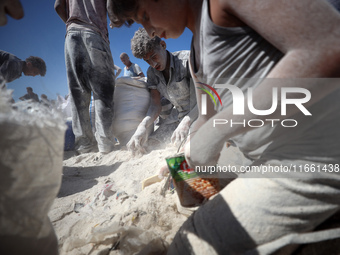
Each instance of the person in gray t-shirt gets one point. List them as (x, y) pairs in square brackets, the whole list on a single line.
[(168, 76)]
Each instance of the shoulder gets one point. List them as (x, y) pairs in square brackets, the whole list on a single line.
[(181, 57), (136, 68), (182, 54), (222, 12), (152, 78), (6, 56), (181, 61), (135, 65)]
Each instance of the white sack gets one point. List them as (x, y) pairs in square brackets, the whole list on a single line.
[(31, 157), (131, 103)]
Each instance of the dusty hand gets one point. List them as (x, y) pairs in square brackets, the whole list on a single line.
[(11, 7), (138, 140), (181, 131)]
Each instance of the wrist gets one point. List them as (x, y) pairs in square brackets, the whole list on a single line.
[(145, 121)]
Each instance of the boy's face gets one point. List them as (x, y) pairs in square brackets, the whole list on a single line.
[(164, 18), (157, 58)]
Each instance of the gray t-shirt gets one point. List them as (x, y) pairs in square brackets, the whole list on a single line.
[(240, 57), (88, 15), (179, 90), (10, 67)]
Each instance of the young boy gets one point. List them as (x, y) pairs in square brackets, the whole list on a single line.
[(168, 76), (261, 48)]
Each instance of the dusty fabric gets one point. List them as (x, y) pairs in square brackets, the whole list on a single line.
[(10, 67), (88, 15), (89, 67)]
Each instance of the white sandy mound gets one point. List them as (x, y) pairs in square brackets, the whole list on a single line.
[(101, 202)]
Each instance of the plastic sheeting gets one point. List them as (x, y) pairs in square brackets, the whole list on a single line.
[(31, 154)]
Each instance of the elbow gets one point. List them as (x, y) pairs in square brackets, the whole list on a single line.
[(59, 8)]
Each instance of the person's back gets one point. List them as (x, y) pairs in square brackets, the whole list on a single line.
[(10, 67), (88, 15)]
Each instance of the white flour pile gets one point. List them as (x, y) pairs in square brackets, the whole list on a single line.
[(102, 195)]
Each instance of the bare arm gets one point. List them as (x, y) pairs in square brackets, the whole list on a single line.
[(60, 8), (306, 31)]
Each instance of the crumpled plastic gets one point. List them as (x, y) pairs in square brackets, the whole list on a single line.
[(31, 155)]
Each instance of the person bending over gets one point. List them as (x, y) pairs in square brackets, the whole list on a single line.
[(168, 76)]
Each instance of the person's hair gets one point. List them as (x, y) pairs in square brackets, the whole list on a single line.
[(123, 54), (122, 11), (142, 44), (38, 63), (29, 88)]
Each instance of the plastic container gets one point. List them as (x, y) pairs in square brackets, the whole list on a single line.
[(192, 188)]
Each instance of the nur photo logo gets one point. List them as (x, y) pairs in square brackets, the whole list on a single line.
[(241, 99), (204, 97)]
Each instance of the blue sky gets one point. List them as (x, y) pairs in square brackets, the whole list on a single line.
[(41, 33)]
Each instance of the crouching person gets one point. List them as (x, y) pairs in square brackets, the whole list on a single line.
[(168, 76)]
